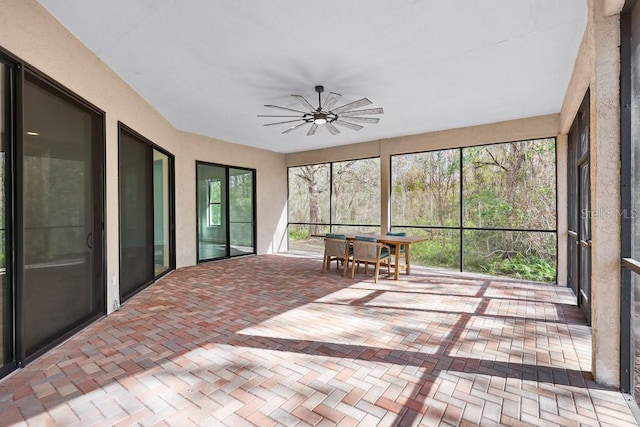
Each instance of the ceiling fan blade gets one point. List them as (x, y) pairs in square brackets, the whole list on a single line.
[(292, 128), (350, 106), (286, 109), (330, 101), (302, 100), (348, 125), (372, 120), (312, 129), (288, 121), (360, 112), (332, 128), (275, 115)]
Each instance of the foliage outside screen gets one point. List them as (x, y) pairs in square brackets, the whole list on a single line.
[(345, 193), (508, 186)]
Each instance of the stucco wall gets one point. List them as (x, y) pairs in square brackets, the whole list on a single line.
[(28, 31), (605, 195)]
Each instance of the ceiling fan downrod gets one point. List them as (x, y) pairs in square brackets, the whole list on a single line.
[(319, 89)]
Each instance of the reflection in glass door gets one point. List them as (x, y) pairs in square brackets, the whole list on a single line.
[(61, 215), (226, 211)]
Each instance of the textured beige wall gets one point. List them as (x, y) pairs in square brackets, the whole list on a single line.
[(605, 195), (28, 31)]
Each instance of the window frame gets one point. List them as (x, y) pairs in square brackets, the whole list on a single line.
[(461, 228), (331, 224)]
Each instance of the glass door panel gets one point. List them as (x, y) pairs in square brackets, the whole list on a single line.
[(60, 264), (212, 211), (162, 247), (241, 211), (136, 228)]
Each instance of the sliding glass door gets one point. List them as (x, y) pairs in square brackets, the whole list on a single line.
[(51, 214), (146, 212), (226, 211), (61, 215)]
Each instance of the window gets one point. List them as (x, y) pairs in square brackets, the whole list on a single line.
[(214, 211), (333, 197), (488, 209)]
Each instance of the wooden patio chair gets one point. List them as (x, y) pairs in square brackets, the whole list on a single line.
[(369, 250), (335, 248), (392, 248)]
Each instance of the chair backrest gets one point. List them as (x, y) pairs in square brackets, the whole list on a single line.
[(398, 234), (336, 247), (335, 236), (366, 248)]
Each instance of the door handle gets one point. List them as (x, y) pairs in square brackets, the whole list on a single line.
[(90, 240)]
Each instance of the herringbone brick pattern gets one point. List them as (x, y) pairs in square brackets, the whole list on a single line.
[(268, 340)]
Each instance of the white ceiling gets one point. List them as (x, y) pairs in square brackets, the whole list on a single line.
[(209, 66)]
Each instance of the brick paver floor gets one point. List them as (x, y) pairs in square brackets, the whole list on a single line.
[(268, 340)]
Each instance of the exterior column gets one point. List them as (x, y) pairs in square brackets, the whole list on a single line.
[(385, 189), (605, 195), (562, 207)]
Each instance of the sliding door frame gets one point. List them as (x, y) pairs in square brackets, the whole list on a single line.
[(150, 224), (13, 131), (227, 207), (98, 201)]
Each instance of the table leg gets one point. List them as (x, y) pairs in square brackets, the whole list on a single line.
[(407, 259), (396, 265)]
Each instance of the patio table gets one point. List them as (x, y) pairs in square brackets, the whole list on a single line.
[(396, 241)]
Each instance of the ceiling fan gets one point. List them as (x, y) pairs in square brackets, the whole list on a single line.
[(325, 114)]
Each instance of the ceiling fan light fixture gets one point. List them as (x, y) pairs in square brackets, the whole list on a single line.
[(325, 114), (319, 118)]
